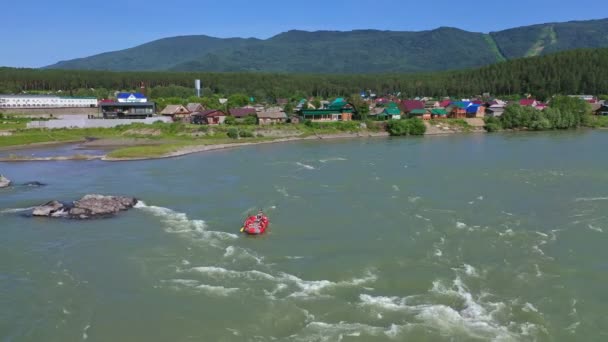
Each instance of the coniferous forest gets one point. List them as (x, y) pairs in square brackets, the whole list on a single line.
[(581, 71)]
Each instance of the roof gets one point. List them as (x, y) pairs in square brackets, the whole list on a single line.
[(409, 105), (392, 110), (445, 103), (527, 102), (272, 113), (194, 107), (210, 112), (338, 103), (242, 112), (174, 109), (126, 95), (473, 108), (461, 104), (439, 111)]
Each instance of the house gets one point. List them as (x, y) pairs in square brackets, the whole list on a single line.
[(177, 112), (282, 102), (209, 117), (338, 110), (424, 114), (458, 109), (375, 112), (46, 101), (475, 111), (495, 111), (439, 113), (391, 112), (270, 116), (409, 105), (195, 107), (131, 97)]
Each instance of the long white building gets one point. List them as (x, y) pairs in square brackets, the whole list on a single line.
[(46, 101)]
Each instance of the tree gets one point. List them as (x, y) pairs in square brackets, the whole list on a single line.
[(573, 109), (238, 100), (288, 109)]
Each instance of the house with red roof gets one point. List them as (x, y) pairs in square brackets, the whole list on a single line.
[(410, 105)]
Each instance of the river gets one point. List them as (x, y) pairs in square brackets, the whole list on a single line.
[(457, 238)]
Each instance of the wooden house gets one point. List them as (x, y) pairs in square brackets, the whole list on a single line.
[(177, 112), (271, 116)]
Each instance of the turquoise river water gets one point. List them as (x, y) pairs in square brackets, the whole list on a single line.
[(459, 238)]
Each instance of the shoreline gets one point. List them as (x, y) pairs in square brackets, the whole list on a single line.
[(186, 150)]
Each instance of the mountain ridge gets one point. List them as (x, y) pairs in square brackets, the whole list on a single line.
[(349, 52)]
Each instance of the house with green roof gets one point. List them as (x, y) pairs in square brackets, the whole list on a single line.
[(391, 112), (338, 110)]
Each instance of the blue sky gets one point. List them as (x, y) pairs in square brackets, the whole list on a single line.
[(40, 32)]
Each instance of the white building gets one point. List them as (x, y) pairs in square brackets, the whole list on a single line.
[(46, 101)]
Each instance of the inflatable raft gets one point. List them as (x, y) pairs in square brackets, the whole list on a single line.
[(255, 226)]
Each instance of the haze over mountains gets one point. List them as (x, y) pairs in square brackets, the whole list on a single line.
[(360, 51)]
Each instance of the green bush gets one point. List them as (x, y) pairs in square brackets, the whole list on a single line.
[(406, 127), (417, 127), (246, 134), (233, 133), (260, 135), (492, 124), (230, 120), (250, 120)]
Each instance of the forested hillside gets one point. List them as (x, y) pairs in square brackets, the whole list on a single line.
[(352, 52), (571, 72)]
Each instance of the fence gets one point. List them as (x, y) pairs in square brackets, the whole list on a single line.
[(93, 123)]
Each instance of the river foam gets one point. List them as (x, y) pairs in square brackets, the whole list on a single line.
[(179, 223), (470, 315)]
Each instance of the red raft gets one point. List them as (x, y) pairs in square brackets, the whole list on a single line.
[(255, 226)]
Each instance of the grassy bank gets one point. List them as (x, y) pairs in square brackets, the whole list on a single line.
[(160, 139)]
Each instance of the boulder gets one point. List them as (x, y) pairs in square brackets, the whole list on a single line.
[(4, 182), (34, 184), (48, 209), (90, 206)]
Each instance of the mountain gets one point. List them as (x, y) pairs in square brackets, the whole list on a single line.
[(359, 51)]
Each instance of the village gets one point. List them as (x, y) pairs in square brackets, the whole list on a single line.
[(135, 107)]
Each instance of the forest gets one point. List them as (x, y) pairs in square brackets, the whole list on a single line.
[(572, 72)]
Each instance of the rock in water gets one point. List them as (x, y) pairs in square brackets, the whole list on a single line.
[(90, 206), (34, 184), (4, 182), (52, 208)]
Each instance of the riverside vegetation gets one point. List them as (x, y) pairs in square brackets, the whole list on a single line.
[(564, 112)]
